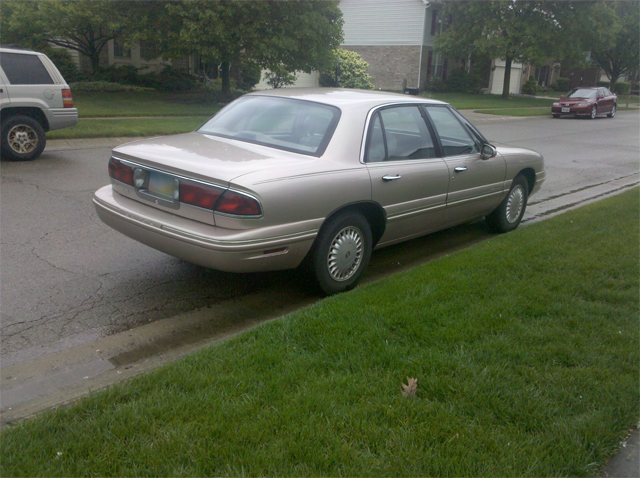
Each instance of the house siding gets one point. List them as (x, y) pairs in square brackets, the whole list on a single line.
[(382, 22)]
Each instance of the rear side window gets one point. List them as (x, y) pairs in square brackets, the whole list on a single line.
[(24, 69)]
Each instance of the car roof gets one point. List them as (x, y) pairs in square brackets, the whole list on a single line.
[(342, 97), (18, 49)]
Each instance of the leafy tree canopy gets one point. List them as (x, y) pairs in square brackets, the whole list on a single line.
[(296, 35), (617, 52), (82, 25), (512, 30)]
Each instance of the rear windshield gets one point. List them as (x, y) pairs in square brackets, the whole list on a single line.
[(24, 69), (582, 93), (283, 123)]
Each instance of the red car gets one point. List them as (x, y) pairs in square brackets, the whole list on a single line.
[(586, 101)]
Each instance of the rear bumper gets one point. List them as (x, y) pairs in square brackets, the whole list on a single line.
[(62, 118), (200, 243)]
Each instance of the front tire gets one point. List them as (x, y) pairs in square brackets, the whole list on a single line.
[(594, 112), (507, 216), (341, 253), (23, 138), (613, 111)]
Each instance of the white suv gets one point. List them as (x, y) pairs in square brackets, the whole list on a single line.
[(34, 99)]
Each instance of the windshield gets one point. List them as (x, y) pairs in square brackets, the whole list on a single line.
[(582, 93), (283, 123)]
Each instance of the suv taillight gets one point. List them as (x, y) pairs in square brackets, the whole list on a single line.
[(67, 99)]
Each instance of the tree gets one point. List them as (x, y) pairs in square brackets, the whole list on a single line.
[(618, 53), (512, 30), (82, 25), (296, 35)]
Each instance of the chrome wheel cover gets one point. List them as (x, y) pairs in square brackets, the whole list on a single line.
[(594, 112), (515, 204), (345, 253), (613, 111), (22, 139)]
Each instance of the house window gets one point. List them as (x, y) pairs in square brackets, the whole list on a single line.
[(119, 50)]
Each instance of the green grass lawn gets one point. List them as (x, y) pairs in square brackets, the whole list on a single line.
[(525, 348), (147, 103), (466, 101), (121, 127)]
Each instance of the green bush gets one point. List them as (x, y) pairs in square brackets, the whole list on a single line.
[(249, 76), (65, 64), (435, 85), (124, 75), (169, 79), (604, 83), (279, 77), (462, 81), (562, 84), (531, 86), (622, 88), (105, 86), (352, 71)]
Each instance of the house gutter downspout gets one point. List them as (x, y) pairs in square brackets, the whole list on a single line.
[(427, 4)]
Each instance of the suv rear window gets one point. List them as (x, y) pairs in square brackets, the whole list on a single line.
[(24, 69)]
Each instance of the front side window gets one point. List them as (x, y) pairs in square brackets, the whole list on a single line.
[(454, 138), (24, 69), (283, 123), (399, 133)]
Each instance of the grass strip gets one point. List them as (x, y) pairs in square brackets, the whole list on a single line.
[(517, 112), (147, 103), (525, 348), (468, 101), (126, 127)]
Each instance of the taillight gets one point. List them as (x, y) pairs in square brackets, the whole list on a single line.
[(198, 194), (67, 99), (238, 204), (120, 171)]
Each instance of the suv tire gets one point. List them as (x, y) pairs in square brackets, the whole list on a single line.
[(23, 138)]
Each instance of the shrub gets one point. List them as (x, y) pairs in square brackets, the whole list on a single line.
[(562, 84), (604, 83), (531, 86), (279, 77), (124, 75), (622, 88), (249, 76), (105, 86), (462, 81), (352, 71), (169, 79), (435, 85)]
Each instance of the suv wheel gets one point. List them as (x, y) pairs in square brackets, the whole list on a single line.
[(23, 138)]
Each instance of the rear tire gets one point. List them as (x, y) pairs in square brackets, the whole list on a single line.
[(507, 216), (23, 138), (556, 116), (341, 253)]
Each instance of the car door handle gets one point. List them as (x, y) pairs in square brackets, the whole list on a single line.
[(391, 178), (459, 169)]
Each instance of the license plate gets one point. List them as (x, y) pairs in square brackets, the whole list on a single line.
[(161, 184), (566, 110)]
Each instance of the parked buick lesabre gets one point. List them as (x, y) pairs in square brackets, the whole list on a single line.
[(313, 177)]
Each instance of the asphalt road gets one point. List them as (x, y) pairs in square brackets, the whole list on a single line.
[(67, 279)]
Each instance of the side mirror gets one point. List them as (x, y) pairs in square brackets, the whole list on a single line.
[(488, 151)]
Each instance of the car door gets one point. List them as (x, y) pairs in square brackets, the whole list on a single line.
[(408, 179), (475, 182)]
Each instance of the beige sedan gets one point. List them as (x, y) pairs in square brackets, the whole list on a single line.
[(316, 178)]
